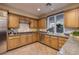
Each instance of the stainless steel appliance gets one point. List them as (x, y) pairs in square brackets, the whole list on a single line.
[(3, 31)]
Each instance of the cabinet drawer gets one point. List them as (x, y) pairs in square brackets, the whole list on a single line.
[(11, 37)]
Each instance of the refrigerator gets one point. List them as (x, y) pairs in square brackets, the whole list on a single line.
[(3, 31)]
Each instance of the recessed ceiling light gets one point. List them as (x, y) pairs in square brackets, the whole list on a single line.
[(38, 9)]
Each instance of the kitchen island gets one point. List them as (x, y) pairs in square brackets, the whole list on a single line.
[(71, 47)]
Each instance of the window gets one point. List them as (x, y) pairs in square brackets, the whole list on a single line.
[(55, 24), (51, 24)]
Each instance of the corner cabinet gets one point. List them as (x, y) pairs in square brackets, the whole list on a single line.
[(71, 18), (42, 23), (35, 37), (33, 24), (13, 21)]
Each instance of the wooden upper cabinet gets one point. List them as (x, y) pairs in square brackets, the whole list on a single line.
[(42, 23), (33, 23), (29, 38), (13, 21), (71, 18)]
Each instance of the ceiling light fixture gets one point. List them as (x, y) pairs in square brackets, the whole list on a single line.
[(48, 4), (38, 9)]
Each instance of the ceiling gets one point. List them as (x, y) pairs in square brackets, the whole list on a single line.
[(31, 8)]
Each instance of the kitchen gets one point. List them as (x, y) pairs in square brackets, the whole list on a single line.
[(40, 28)]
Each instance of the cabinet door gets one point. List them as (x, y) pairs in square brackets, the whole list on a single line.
[(35, 38), (29, 38), (47, 40), (61, 41), (71, 18), (38, 36), (33, 23), (17, 42), (42, 23), (13, 21), (23, 40), (11, 44), (54, 42)]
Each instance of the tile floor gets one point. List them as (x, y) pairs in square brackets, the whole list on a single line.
[(33, 49)]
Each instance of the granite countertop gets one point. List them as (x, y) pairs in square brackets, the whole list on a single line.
[(58, 35), (22, 33), (71, 47), (42, 32)]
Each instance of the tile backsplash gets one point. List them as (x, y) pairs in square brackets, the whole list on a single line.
[(23, 27)]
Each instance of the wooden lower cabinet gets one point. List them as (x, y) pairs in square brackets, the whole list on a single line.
[(50, 41), (20, 40), (29, 38), (34, 37), (23, 40), (38, 36), (26, 39), (54, 42), (61, 41), (13, 42), (47, 40)]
